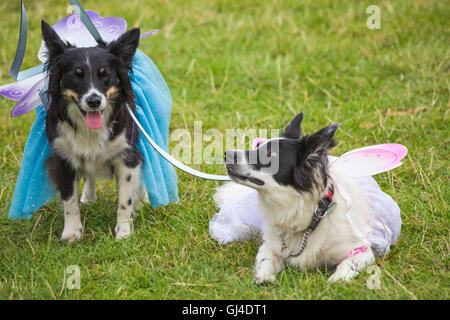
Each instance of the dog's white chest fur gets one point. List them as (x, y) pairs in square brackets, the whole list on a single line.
[(91, 151)]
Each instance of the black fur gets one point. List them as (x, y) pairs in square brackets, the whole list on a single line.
[(293, 129), (312, 158), (62, 174), (132, 157)]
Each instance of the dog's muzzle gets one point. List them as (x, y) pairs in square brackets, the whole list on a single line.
[(237, 167)]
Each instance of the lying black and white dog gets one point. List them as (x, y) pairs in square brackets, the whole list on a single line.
[(313, 216), (89, 130)]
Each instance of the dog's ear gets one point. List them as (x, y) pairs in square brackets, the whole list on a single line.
[(324, 138), (53, 42), (312, 159), (125, 47), (293, 130)]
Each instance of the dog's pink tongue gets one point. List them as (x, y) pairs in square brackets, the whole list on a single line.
[(94, 119)]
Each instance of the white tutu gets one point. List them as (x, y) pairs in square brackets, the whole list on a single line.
[(240, 217)]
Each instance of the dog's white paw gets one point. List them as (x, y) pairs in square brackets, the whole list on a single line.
[(341, 275), (72, 232), (264, 280), (123, 230), (345, 271)]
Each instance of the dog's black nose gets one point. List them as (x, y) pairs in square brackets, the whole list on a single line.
[(93, 101)]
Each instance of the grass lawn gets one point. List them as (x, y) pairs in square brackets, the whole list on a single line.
[(250, 64)]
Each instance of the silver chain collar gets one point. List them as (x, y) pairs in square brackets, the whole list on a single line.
[(286, 253), (285, 250)]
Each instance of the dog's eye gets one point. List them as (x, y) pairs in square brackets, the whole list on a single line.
[(79, 72), (271, 153), (101, 71)]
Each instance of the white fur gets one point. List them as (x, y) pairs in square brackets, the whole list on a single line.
[(103, 99), (287, 212), (128, 191)]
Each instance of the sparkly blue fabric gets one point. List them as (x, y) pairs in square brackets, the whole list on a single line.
[(153, 107)]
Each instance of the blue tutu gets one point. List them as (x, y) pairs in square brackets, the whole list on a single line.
[(153, 106)]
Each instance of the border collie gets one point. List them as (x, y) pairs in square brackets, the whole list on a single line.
[(313, 216), (91, 135)]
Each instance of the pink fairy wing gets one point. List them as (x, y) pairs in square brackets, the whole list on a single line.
[(17, 90), (370, 160), (72, 29), (400, 150), (30, 101)]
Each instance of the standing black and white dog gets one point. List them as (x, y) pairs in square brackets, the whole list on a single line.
[(91, 135), (313, 215)]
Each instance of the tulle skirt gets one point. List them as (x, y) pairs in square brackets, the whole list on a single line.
[(240, 217)]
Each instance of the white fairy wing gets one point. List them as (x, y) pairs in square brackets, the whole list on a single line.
[(372, 160)]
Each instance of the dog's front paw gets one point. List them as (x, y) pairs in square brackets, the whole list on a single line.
[(123, 230), (72, 233), (341, 275), (264, 281), (345, 271)]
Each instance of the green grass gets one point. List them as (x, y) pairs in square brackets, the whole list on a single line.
[(250, 64)]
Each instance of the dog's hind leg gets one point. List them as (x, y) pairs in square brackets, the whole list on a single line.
[(352, 266), (88, 194), (144, 196), (128, 183)]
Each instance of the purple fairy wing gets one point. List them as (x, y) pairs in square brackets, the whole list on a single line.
[(149, 33), (110, 28), (72, 29), (30, 101), (17, 90)]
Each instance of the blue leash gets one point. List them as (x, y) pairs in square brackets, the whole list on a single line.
[(21, 45), (17, 63), (20, 51)]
